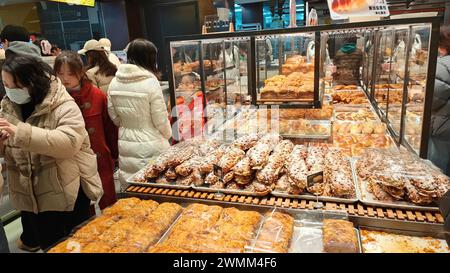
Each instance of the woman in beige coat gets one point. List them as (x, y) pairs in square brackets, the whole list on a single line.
[(100, 70), (46, 150)]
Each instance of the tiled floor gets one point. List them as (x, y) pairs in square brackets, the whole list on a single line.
[(13, 231)]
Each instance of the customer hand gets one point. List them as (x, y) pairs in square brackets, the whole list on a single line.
[(7, 128)]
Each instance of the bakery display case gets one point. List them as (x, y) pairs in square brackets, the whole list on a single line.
[(206, 75), (402, 89)]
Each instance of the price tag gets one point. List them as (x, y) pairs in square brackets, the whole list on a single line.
[(218, 171), (314, 178)]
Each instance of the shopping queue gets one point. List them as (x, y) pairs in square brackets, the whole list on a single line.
[(63, 127)]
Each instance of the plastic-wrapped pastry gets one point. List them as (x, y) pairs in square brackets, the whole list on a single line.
[(246, 142), (186, 168), (243, 167), (228, 177), (71, 245), (259, 155), (170, 174), (342, 185), (296, 168), (231, 157), (233, 186), (243, 180), (270, 139), (275, 234), (339, 236), (261, 188), (194, 178), (211, 179), (209, 160), (95, 228), (183, 155)]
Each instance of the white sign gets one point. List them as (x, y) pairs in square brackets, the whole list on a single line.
[(344, 9)]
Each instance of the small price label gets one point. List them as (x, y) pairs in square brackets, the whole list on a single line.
[(218, 171), (314, 178)]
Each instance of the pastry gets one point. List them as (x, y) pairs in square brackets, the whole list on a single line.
[(230, 158), (339, 236)]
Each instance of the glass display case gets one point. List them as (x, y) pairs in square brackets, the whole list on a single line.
[(285, 68), (382, 65), (403, 74)]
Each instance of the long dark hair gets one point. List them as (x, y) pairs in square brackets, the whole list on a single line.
[(32, 73), (100, 59), (143, 53), (73, 60)]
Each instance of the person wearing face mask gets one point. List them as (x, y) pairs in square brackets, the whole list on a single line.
[(439, 145), (46, 149), (93, 104)]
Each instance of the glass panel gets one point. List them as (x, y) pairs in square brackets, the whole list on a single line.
[(397, 72), (418, 66), (285, 65), (382, 79), (187, 83)]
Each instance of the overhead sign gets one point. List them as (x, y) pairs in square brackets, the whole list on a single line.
[(89, 3), (344, 9)]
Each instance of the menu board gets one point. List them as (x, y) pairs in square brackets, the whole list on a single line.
[(89, 3), (344, 9)]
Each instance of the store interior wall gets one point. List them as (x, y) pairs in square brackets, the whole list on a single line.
[(20, 14), (252, 13), (116, 25)]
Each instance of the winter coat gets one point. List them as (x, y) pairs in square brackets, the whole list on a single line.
[(136, 105), (440, 120), (43, 156), (99, 80), (102, 134)]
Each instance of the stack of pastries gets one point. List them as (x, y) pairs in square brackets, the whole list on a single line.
[(303, 161), (130, 225), (355, 144), (401, 176), (296, 63), (210, 229), (275, 234), (296, 85)]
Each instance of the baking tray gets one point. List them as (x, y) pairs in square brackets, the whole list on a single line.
[(368, 199), (228, 191), (310, 240), (424, 244), (316, 198), (307, 236), (131, 181)]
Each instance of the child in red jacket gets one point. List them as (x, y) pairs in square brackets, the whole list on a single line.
[(103, 134)]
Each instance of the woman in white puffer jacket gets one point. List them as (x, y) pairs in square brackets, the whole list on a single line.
[(136, 105)]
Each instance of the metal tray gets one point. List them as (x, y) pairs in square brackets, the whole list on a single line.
[(310, 240), (368, 199), (227, 191), (316, 198), (131, 181), (442, 247)]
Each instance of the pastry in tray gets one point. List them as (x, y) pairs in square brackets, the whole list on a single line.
[(207, 164), (271, 172), (72, 245), (284, 185), (339, 236), (374, 241), (186, 168), (243, 167), (96, 227), (349, 97), (400, 176), (296, 168), (170, 174), (230, 158), (275, 234), (246, 142), (259, 155), (325, 113), (359, 128)]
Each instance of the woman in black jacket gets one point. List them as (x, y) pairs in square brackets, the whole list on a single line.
[(439, 146)]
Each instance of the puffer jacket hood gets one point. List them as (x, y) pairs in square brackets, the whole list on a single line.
[(24, 48), (440, 120), (132, 73)]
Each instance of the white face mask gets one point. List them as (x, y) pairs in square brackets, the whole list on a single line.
[(18, 95)]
